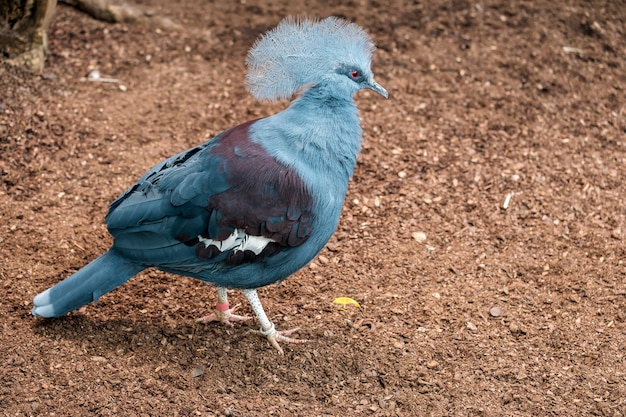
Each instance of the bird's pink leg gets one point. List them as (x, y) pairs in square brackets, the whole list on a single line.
[(223, 313), (268, 329)]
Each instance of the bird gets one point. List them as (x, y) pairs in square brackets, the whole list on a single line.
[(256, 203)]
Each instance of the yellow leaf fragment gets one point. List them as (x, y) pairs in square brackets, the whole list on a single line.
[(345, 301)]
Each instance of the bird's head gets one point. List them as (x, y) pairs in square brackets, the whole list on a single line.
[(301, 53)]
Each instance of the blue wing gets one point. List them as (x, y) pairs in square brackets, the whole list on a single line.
[(197, 210)]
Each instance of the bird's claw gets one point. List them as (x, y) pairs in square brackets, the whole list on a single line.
[(224, 315), (274, 336)]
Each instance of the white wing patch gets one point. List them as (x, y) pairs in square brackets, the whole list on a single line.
[(238, 241)]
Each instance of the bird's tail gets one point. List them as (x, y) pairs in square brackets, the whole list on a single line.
[(88, 284)]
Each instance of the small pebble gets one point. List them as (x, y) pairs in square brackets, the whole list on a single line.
[(471, 326), (94, 75), (197, 371), (323, 259), (495, 311), (419, 236)]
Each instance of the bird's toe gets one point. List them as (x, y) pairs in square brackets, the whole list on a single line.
[(224, 315), (274, 336)]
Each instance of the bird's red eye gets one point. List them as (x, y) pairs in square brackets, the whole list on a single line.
[(354, 74)]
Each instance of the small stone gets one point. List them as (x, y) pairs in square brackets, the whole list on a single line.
[(495, 311), (420, 237), (323, 259), (51, 76), (197, 371), (471, 326), (432, 364)]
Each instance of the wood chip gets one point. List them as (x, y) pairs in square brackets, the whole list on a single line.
[(507, 201)]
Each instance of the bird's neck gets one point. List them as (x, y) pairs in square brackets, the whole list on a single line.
[(319, 130)]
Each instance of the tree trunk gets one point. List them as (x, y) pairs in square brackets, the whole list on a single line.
[(23, 26)]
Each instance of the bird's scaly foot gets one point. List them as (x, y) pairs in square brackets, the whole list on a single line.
[(274, 336), (224, 315)]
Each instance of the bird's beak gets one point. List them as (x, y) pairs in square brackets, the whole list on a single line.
[(374, 86)]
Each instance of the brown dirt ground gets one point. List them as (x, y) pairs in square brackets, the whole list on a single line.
[(498, 312)]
